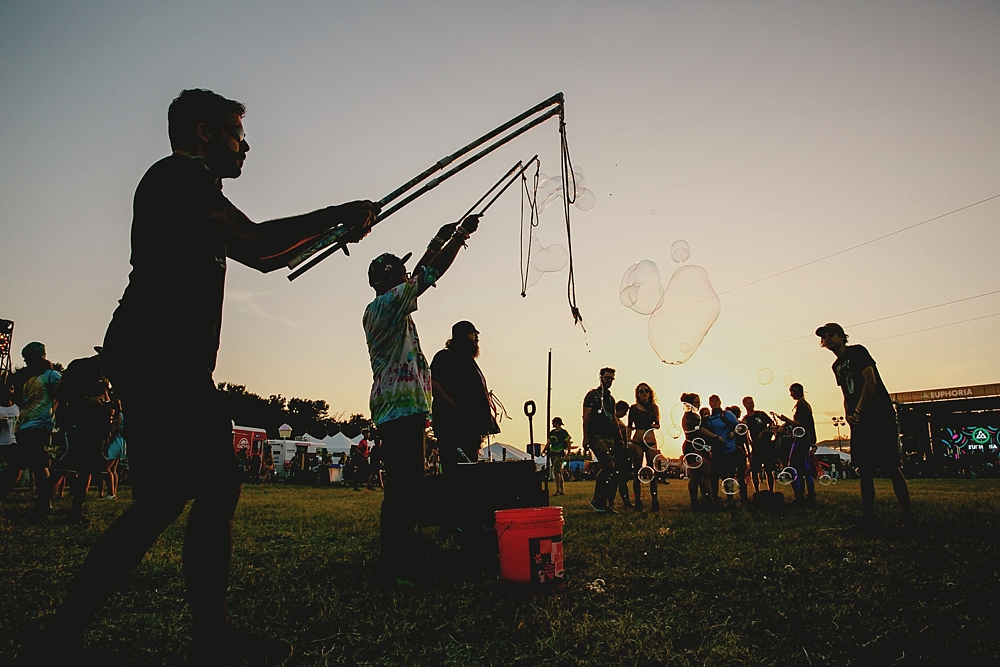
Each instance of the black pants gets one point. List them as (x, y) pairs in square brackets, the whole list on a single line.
[(27, 453), (403, 459), (160, 497)]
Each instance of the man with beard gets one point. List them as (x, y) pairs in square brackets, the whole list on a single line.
[(462, 410), (160, 352), (601, 435), (401, 392)]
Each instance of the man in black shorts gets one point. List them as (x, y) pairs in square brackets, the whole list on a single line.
[(762, 454), (600, 435), (869, 411), (160, 352)]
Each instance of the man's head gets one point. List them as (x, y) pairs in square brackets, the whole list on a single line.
[(749, 404), (386, 271), (607, 377), (464, 339), (691, 399), (796, 391), (832, 337), (715, 402), (207, 124), (33, 352), (735, 409), (557, 422), (621, 409)]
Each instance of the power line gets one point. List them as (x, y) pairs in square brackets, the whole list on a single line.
[(806, 336), (810, 262), (799, 356)]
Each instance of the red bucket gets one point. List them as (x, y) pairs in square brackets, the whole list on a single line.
[(530, 542)]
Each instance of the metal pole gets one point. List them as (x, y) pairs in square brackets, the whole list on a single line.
[(334, 235)]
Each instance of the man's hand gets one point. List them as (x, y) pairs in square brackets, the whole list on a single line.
[(852, 419), (471, 224), (359, 216), (446, 232)]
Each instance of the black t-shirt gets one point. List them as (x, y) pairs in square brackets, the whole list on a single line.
[(463, 381), (602, 413), (803, 415), (760, 427), (641, 420), (171, 312), (848, 368)]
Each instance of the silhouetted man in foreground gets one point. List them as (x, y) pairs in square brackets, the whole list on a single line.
[(869, 411), (160, 352), (600, 435)]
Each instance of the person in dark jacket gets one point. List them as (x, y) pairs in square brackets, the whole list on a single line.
[(462, 411)]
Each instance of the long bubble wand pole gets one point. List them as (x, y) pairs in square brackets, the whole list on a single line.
[(333, 238)]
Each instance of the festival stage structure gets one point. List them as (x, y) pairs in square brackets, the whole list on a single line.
[(951, 431)]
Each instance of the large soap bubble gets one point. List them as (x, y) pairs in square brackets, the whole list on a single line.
[(680, 251), (548, 259), (550, 190), (689, 307), (640, 288)]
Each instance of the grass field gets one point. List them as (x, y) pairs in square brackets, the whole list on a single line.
[(681, 588)]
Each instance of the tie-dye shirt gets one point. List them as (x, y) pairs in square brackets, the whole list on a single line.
[(39, 392), (401, 384)]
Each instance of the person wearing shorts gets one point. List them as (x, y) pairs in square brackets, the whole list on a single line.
[(762, 452), (557, 450), (643, 415), (869, 411)]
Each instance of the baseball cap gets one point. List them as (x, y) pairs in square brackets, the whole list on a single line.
[(463, 328), (33, 350), (830, 327), (383, 265)]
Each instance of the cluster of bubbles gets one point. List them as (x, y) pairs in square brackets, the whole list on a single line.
[(553, 258), (826, 480), (681, 313), (765, 376)]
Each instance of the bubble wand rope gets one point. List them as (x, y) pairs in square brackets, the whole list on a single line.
[(333, 237)]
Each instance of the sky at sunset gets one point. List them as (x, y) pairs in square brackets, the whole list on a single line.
[(765, 134)]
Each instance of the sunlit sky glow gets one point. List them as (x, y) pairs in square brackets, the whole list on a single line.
[(765, 134)]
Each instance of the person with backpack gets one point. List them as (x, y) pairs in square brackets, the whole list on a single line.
[(34, 388)]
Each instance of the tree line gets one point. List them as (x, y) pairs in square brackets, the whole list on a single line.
[(303, 415)]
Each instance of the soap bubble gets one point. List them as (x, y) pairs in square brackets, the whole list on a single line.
[(787, 476), (684, 347), (646, 474), (693, 460), (688, 309), (741, 429), (585, 200), (798, 432), (652, 211), (699, 444), (674, 431), (680, 251), (640, 288), (826, 480), (653, 439), (788, 379), (660, 463), (730, 486), (550, 259), (765, 376)]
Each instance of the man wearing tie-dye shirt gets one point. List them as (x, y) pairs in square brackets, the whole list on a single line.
[(401, 383)]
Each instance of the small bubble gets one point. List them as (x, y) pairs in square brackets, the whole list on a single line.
[(680, 251), (652, 211), (765, 376), (788, 379)]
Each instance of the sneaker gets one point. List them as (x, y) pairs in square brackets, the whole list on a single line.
[(235, 650), (638, 504), (611, 510), (596, 507), (111, 497), (654, 506)]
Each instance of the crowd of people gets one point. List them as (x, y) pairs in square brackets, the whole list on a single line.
[(66, 428)]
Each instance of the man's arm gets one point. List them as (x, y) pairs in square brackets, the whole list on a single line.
[(866, 391), (267, 246), (440, 257), (586, 422), (441, 393)]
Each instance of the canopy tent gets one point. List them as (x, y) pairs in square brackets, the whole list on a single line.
[(311, 439), (357, 440), (829, 451), (513, 453), (338, 443)]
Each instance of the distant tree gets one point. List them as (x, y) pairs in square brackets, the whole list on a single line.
[(303, 415)]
